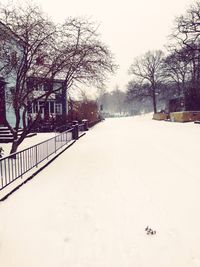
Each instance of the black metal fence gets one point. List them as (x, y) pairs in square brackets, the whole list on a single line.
[(16, 165), (19, 163)]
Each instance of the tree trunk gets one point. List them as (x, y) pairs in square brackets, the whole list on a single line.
[(14, 147), (154, 101), (17, 141)]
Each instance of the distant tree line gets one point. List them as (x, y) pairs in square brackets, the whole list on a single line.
[(159, 77), (113, 103), (118, 102)]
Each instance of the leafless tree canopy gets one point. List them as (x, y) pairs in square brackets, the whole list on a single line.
[(71, 51), (149, 69), (179, 70), (187, 27), (185, 67)]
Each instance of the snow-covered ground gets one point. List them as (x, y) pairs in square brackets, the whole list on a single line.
[(39, 139), (29, 141), (91, 206)]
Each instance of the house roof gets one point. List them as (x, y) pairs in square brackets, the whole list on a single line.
[(46, 79)]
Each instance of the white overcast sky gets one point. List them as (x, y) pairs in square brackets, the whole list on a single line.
[(128, 27)]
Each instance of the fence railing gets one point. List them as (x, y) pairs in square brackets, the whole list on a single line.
[(81, 127), (17, 164), (62, 128)]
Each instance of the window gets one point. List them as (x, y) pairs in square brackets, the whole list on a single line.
[(41, 106), (40, 87), (35, 85), (13, 58), (35, 107), (51, 107), (58, 109), (47, 86)]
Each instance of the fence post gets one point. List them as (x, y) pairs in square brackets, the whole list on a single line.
[(86, 125), (55, 143), (36, 156), (75, 130)]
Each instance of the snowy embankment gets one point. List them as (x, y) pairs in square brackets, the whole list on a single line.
[(91, 206)]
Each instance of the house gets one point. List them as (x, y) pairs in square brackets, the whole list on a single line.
[(54, 109), (11, 47)]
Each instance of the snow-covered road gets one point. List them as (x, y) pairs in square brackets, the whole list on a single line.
[(91, 206)]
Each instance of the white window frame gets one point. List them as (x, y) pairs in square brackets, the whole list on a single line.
[(58, 108)]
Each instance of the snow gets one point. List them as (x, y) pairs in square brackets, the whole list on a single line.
[(29, 141), (91, 206), (31, 168)]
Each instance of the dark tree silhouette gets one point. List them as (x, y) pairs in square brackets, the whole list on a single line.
[(72, 52), (149, 69)]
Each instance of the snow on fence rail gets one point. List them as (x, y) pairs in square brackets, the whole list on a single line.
[(17, 164)]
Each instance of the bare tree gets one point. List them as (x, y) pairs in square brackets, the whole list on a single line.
[(137, 91), (187, 27), (149, 69), (186, 39), (177, 69), (186, 35), (35, 33), (71, 52)]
